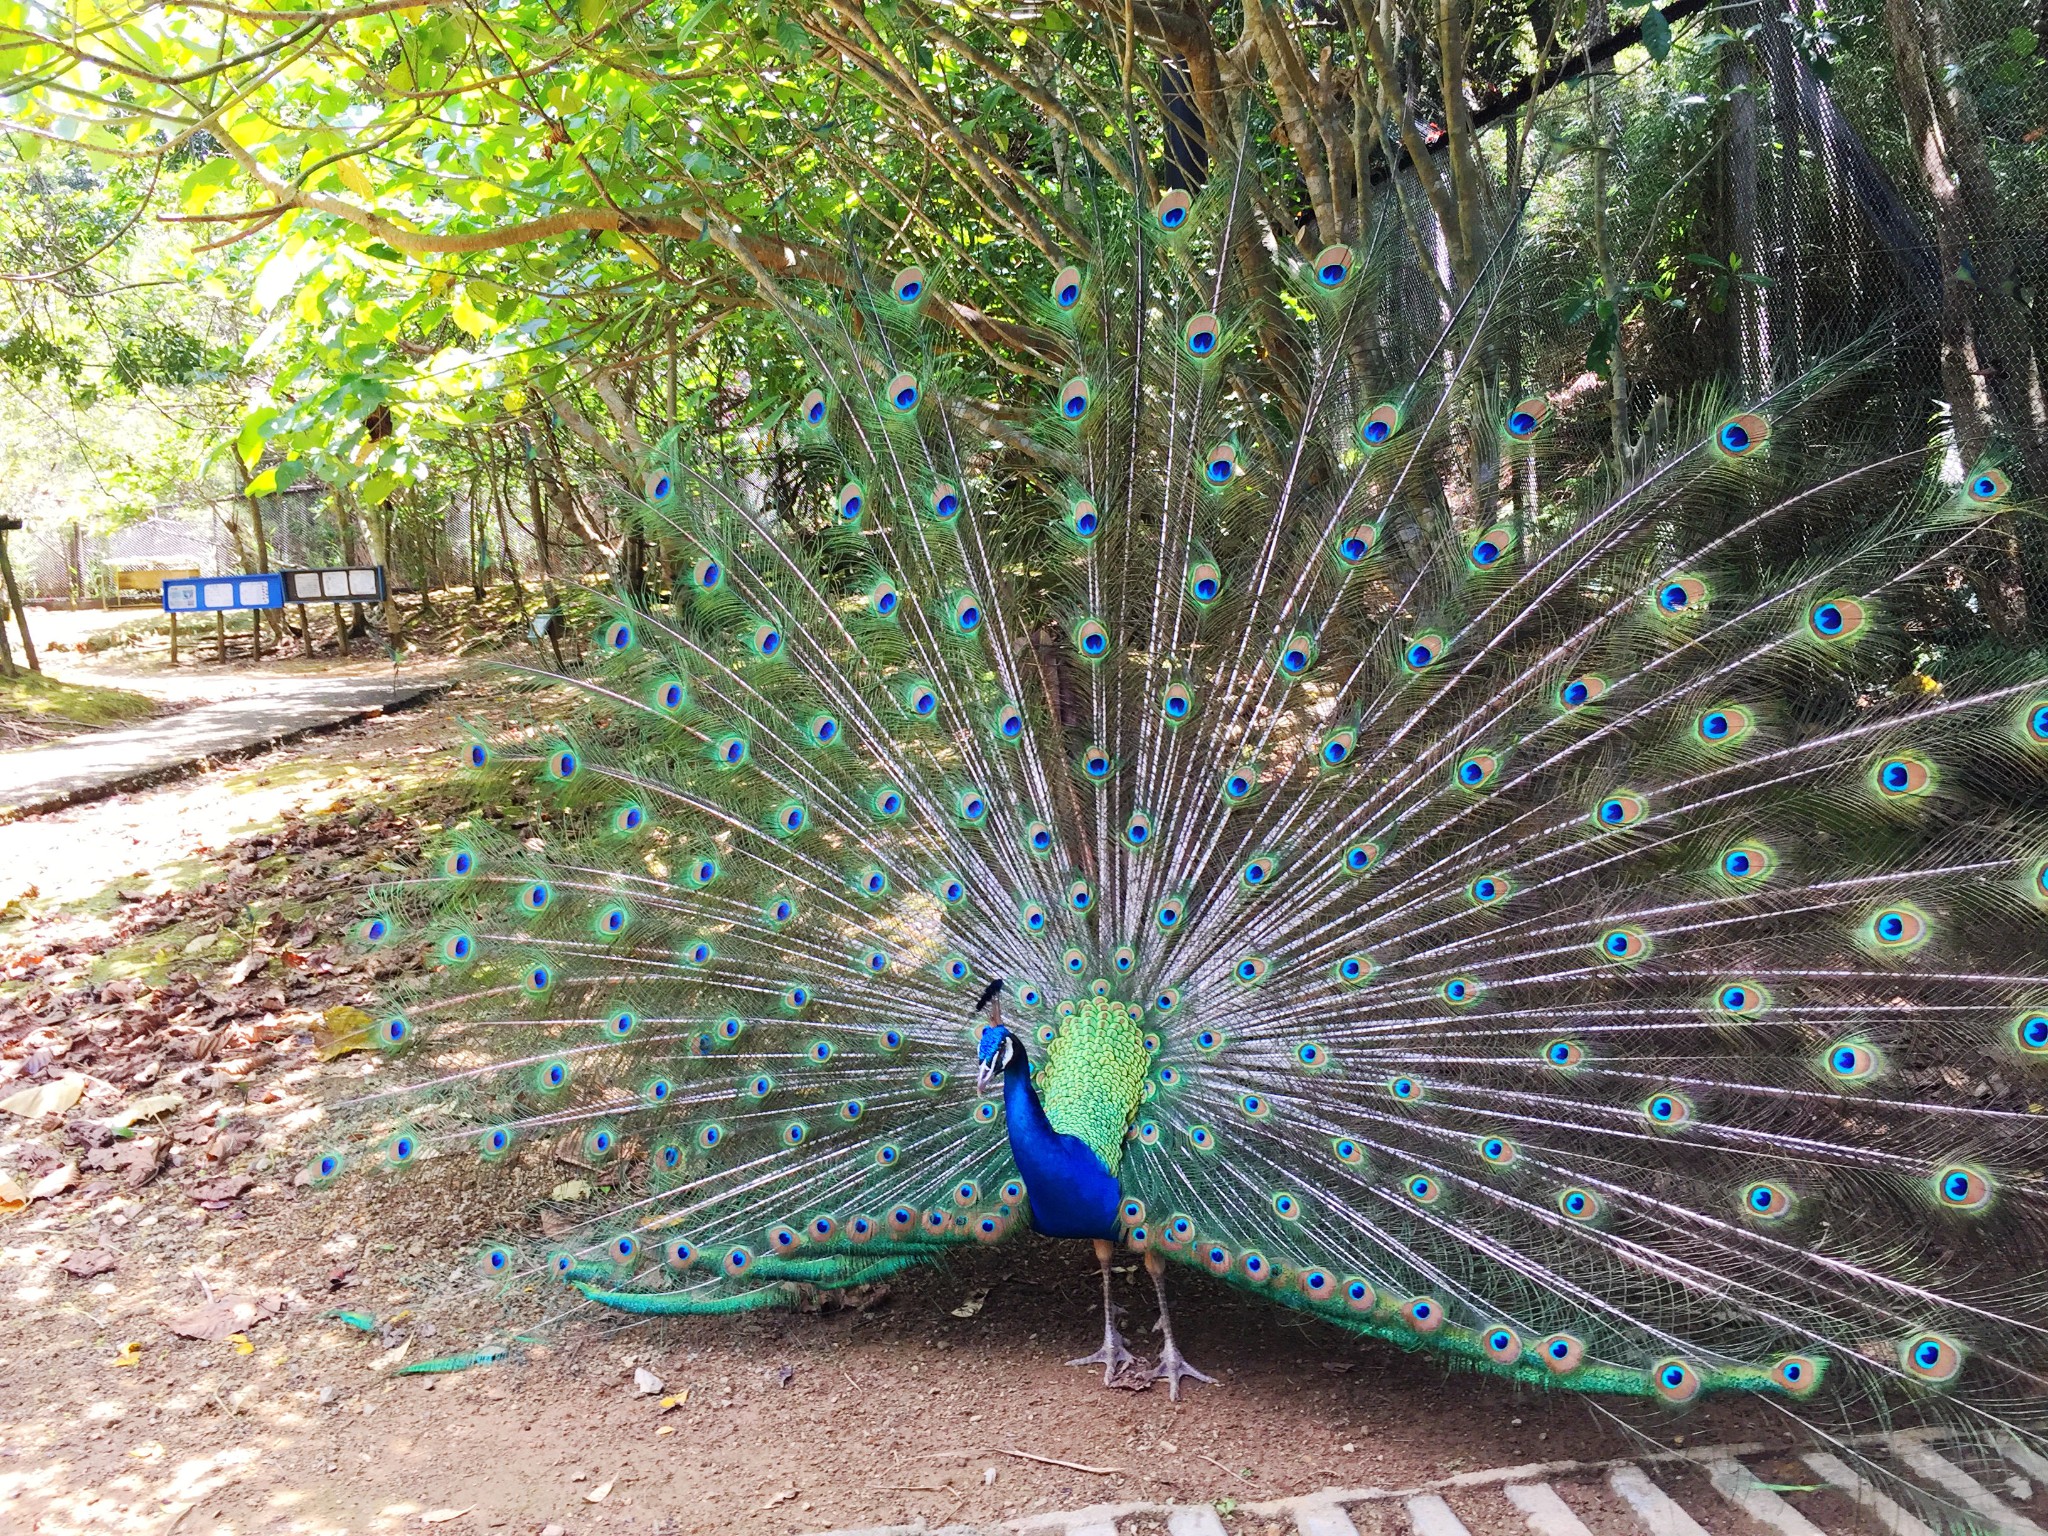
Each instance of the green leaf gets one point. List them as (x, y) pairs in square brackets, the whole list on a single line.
[(1656, 34)]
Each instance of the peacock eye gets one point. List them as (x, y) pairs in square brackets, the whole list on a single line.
[(1901, 777), (1171, 211), (1091, 638), (1066, 287), (813, 408), (1379, 425), (902, 392), (1297, 653), (1220, 468), (1170, 912), (1581, 691), (1176, 702), (1084, 518), (1337, 747), (1987, 486), (1202, 335), (908, 285), (1684, 594), (1837, 618), (1360, 857), (1897, 928), (1205, 582), (1527, 418), (1724, 726), (1741, 435), (1333, 265), (965, 613), (852, 501), (1138, 830), (1624, 944), (1354, 544), (1476, 771), (1075, 396), (1423, 651), (1488, 549)]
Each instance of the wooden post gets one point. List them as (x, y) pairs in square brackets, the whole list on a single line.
[(77, 568), (256, 630), (220, 635), (340, 630), (305, 629), (174, 637), (6, 651), (28, 645)]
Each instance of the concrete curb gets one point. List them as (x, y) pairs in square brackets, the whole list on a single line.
[(405, 697)]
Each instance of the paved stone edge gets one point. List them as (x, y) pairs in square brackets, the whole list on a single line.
[(146, 778)]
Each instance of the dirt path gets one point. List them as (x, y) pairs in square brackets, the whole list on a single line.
[(178, 944)]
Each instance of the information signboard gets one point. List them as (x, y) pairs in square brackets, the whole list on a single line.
[(224, 594), (336, 584)]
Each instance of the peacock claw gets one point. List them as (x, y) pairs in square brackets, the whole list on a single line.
[(1173, 1368), (1116, 1360)]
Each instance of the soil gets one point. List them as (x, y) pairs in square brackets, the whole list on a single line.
[(174, 942)]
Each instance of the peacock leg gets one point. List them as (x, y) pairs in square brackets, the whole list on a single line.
[(1172, 1364), (1113, 1357)]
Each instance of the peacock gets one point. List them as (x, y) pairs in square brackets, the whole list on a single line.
[(1235, 798)]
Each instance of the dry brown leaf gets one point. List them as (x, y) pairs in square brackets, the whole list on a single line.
[(342, 1030), (88, 1263), (146, 1108), (972, 1302), (779, 1498), (229, 1186), (55, 1182), (51, 1098), (224, 1317), (600, 1493), (443, 1516), (571, 1189), (12, 1196)]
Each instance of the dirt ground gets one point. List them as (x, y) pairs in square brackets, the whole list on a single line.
[(173, 950)]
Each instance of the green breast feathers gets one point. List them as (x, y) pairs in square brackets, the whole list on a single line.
[(1094, 1075)]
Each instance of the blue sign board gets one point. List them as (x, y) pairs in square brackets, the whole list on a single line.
[(223, 594)]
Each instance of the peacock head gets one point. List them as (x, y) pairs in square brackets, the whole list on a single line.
[(1000, 1051)]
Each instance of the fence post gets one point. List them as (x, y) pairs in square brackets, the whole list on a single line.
[(28, 645)]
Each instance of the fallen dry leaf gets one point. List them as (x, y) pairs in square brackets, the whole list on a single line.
[(131, 1354), (12, 1196), (45, 1098), (571, 1189), (89, 1262), (342, 1030), (779, 1498), (224, 1317), (241, 1343), (600, 1493), (443, 1516), (973, 1302), (146, 1108), (228, 1186), (55, 1182)]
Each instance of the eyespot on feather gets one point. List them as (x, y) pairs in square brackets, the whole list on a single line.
[(1741, 435)]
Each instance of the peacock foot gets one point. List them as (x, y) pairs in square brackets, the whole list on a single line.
[(1172, 1369), (1118, 1364)]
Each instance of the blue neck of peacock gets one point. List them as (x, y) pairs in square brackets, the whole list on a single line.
[(1069, 1192), (1023, 1114)]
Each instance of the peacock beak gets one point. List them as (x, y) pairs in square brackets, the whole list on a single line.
[(985, 1079)]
